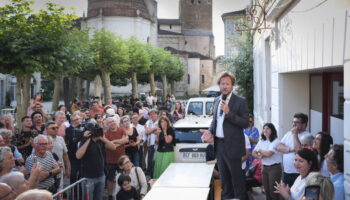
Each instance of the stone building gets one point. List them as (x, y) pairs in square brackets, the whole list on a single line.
[(191, 38)]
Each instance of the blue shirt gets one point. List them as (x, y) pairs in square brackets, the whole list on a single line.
[(253, 133), (338, 182)]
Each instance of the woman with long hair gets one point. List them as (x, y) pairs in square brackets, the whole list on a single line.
[(271, 159), (178, 112), (322, 144), (305, 162), (38, 99), (131, 148), (165, 151)]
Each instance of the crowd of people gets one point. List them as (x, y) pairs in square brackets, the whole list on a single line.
[(289, 167), (119, 143)]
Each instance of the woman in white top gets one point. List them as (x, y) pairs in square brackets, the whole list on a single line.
[(322, 144), (271, 159), (305, 162)]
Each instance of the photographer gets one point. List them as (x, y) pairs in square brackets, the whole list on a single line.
[(91, 152), (74, 134)]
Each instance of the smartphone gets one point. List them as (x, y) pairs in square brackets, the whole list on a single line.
[(312, 192)]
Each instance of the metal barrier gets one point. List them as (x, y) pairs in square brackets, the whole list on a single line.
[(73, 191)]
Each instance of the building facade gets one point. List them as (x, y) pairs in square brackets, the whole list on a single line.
[(300, 65)]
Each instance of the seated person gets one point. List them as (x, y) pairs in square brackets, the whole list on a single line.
[(253, 176), (127, 191), (316, 183)]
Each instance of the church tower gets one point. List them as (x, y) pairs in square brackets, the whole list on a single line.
[(197, 26)]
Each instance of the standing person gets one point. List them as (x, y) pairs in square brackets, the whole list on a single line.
[(60, 149), (178, 112), (7, 120), (131, 148), (166, 142), (60, 119), (335, 164), (253, 135), (290, 144), (133, 100), (231, 116), (95, 110), (91, 152), (38, 123), (322, 144), (116, 135), (75, 106), (149, 100), (142, 134), (271, 159), (121, 112), (25, 137), (48, 163), (64, 109), (151, 132)]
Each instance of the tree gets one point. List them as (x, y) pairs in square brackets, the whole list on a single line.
[(175, 73), (242, 67), (140, 61), (110, 56), (25, 38), (158, 57)]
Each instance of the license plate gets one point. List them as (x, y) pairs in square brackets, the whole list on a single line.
[(193, 155)]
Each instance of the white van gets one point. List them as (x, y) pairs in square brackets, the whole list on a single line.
[(200, 106)]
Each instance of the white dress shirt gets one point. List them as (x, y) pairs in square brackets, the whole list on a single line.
[(220, 118)]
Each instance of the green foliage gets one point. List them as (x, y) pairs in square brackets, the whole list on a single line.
[(242, 67), (175, 69), (140, 59), (110, 52)]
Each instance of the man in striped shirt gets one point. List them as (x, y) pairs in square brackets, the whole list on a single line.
[(49, 164)]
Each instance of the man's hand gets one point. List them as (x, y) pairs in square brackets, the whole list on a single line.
[(87, 133), (224, 107), (206, 135), (295, 130)]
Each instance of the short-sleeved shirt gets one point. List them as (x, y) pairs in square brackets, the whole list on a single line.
[(93, 159), (112, 156), (253, 133), (151, 139), (133, 138), (59, 148), (266, 145), (37, 131), (298, 188), (141, 131), (247, 146), (288, 158), (162, 145), (23, 138), (47, 163)]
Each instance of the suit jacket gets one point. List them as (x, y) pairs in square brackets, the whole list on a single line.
[(235, 121)]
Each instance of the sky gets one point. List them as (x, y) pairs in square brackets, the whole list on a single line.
[(165, 10)]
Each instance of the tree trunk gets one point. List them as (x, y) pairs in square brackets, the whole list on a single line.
[(172, 87), (97, 86), (106, 79), (26, 92), (165, 86), (20, 110), (152, 83), (66, 93), (87, 91), (56, 93), (134, 83), (79, 87), (72, 90)]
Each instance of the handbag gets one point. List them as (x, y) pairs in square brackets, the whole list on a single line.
[(138, 180), (252, 169)]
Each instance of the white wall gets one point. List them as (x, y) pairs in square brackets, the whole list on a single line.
[(194, 71), (125, 27)]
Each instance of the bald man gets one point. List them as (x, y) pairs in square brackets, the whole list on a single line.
[(16, 181), (35, 194), (6, 193)]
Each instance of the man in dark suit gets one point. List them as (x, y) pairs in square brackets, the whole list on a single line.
[(230, 117)]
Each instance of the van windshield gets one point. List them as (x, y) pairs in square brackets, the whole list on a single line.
[(188, 135), (195, 108)]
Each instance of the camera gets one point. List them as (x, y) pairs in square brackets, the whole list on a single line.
[(78, 133), (95, 129)]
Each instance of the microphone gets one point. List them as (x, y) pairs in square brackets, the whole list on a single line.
[(224, 96)]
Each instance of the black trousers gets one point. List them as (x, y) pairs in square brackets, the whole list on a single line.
[(231, 175), (150, 161)]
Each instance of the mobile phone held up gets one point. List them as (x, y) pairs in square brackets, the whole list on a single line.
[(312, 192)]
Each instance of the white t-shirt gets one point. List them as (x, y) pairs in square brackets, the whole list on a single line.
[(151, 139), (247, 146), (288, 158), (298, 188), (266, 145), (141, 131), (149, 100), (59, 148)]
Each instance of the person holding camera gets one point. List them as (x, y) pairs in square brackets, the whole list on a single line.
[(91, 152)]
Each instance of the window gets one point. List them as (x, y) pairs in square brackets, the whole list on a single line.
[(195, 108), (209, 108), (188, 79), (203, 79)]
